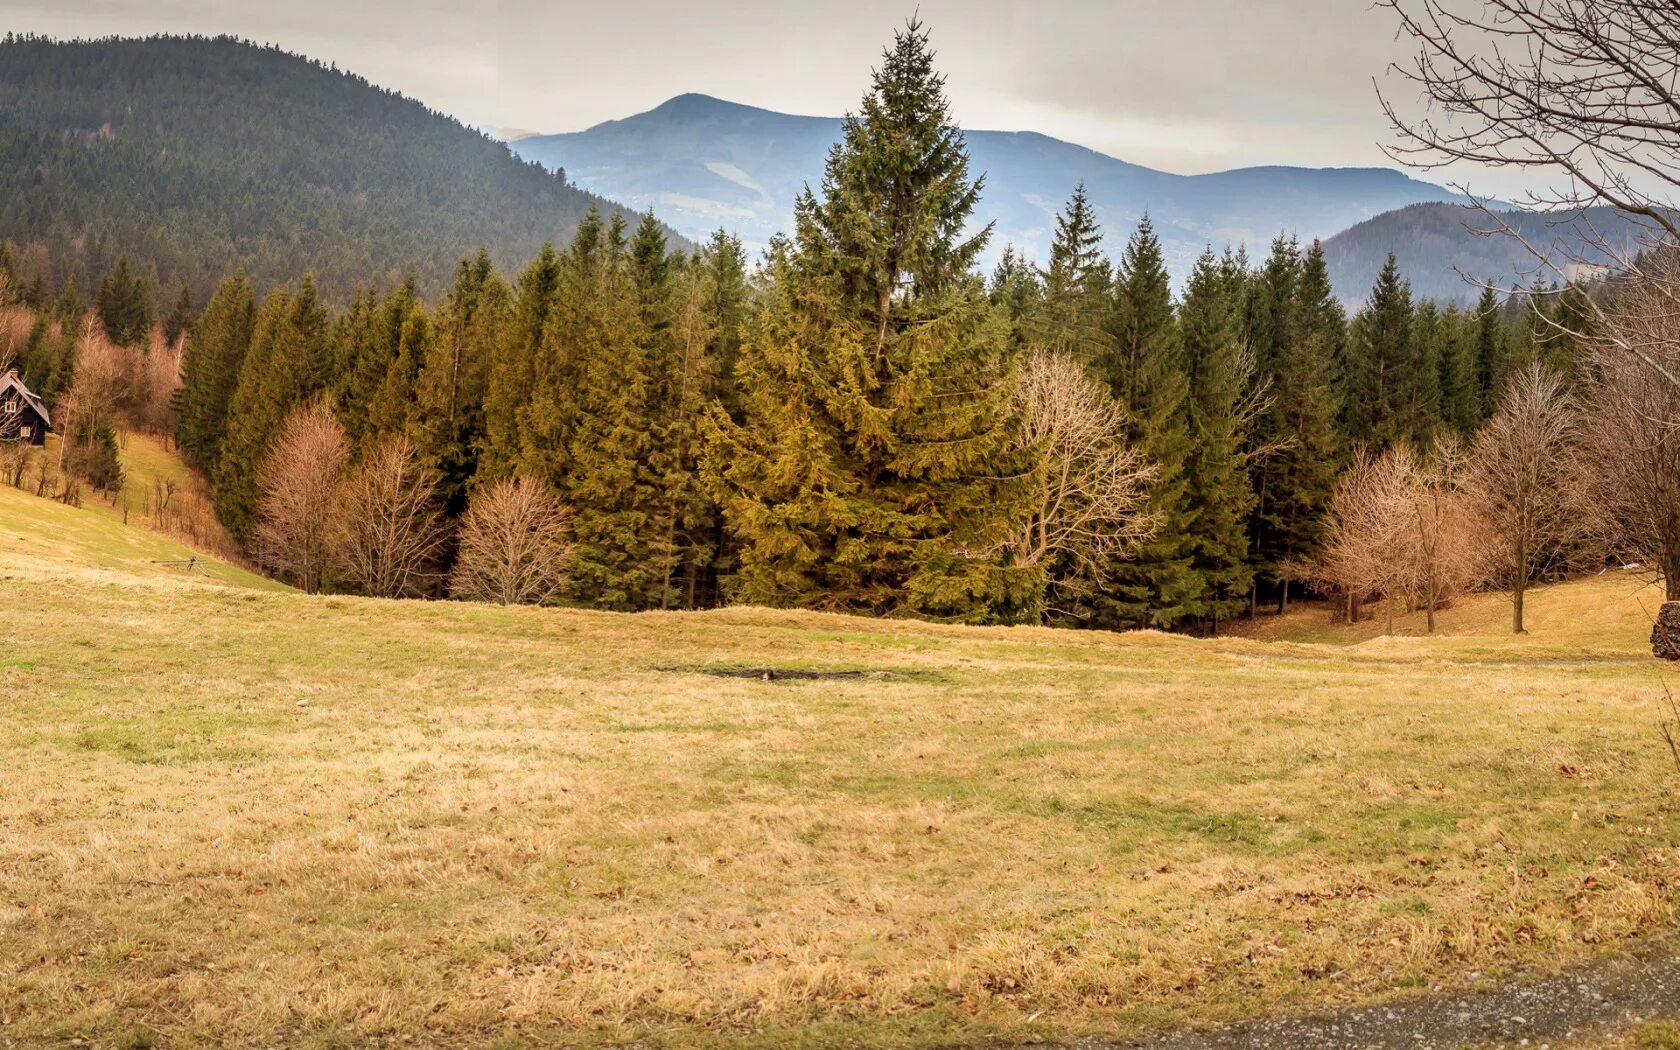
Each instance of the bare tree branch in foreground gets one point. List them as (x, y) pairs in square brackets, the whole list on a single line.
[(514, 546), (1583, 94), (1631, 449)]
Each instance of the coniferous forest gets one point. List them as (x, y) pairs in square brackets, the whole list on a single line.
[(859, 421), (173, 152)]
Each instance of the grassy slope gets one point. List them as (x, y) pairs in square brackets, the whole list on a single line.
[(236, 816)]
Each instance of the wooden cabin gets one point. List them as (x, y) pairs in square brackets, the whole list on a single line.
[(22, 416)]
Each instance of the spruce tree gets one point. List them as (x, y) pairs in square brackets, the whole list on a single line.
[(1420, 400), (513, 361), (1016, 291), (1156, 586), (611, 479), (1455, 357), (287, 363), (1489, 353), (1296, 435), (180, 318), (125, 305), (448, 426), (211, 362), (1216, 473), (1072, 314), (879, 412), (1381, 368)]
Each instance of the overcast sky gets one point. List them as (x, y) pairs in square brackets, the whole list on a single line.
[(1185, 85)]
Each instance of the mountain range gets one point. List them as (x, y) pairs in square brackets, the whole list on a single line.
[(701, 163)]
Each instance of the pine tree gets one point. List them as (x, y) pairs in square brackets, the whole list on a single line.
[(40, 357), (288, 361), (392, 408), (1420, 400), (370, 379), (875, 374), (1216, 472), (1156, 586), (211, 362), (1072, 313)]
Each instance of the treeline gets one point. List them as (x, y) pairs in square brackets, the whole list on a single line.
[(846, 426), (862, 422), (195, 156)]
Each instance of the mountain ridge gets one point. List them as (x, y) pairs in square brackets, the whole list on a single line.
[(700, 162)]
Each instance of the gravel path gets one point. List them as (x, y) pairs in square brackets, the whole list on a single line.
[(1599, 1000)]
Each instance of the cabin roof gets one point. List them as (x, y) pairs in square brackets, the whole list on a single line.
[(10, 381)]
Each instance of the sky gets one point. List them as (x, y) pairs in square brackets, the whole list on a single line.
[(1186, 86)]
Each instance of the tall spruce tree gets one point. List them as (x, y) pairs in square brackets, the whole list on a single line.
[(1455, 358), (879, 410), (611, 478), (448, 426), (1016, 290), (1382, 371), (1489, 353), (1156, 585), (513, 375), (211, 364), (1220, 372), (1297, 345), (289, 361)]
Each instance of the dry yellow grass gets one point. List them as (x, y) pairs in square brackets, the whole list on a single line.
[(230, 816)]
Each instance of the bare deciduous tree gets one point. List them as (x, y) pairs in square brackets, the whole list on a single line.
[(388, 533), (1631, 447), (299, 483), (1445, 549), (1521, 476), (1580, 92), (1401, 528), (1091, 502), (1362, 526), (514, 545)]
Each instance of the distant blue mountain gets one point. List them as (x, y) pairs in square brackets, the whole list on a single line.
[(701, 163)]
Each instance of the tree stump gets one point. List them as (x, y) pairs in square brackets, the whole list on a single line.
[(1665, 634)]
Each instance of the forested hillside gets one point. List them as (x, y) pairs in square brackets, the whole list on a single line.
[(195, 157), (1441, 245)]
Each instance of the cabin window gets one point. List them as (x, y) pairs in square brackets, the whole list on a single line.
[(27, 431), (13, 406)]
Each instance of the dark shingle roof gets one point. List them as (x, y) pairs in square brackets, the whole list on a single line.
[(10, 381)]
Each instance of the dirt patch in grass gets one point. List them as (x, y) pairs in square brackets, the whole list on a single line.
[(801, 674), (1579, 1007)]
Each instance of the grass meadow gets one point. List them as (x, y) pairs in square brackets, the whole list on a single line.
[(233, 814)]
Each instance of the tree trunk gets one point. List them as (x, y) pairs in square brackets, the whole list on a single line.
[(1389, 605), (1517, 606), (1283, 597)]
